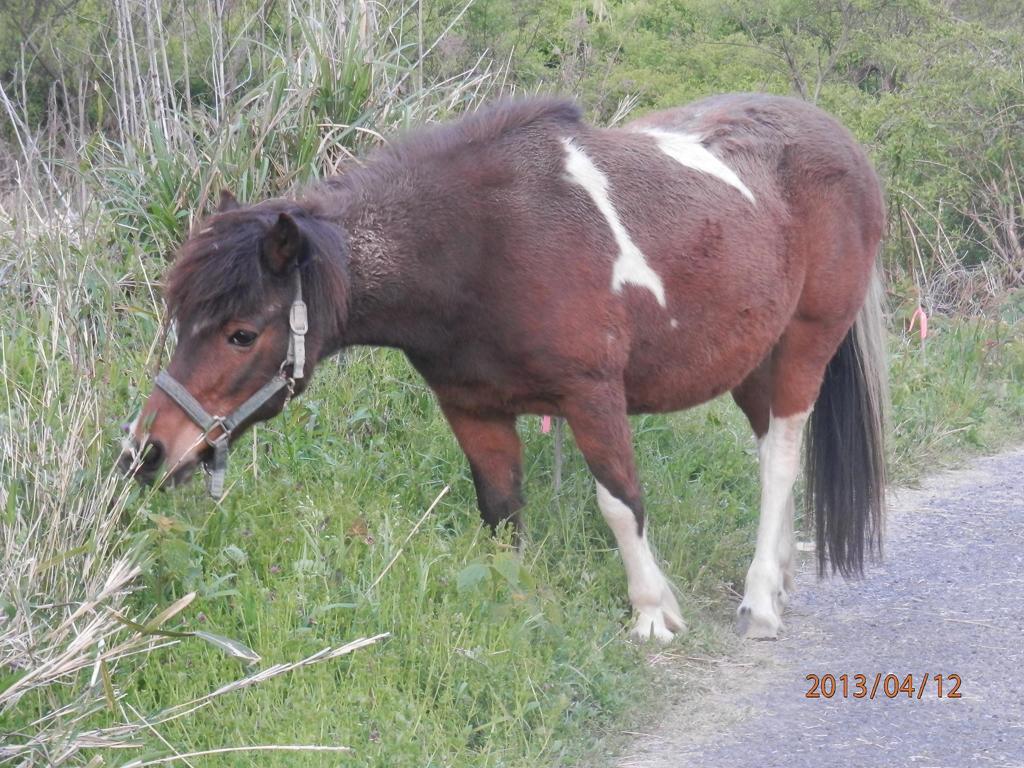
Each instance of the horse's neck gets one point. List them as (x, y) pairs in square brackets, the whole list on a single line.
[(393, 299)]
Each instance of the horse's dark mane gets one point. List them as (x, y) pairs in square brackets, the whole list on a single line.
[(485, 125), (219, 272), (488, 124)]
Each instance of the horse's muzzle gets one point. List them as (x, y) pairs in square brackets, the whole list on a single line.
[(146, 464)]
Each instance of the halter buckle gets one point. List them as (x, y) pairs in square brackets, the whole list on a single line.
[(297, 318), (222, 438)]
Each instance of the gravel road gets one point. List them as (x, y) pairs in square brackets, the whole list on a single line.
[(948, 599)]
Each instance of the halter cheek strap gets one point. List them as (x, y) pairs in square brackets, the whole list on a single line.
[(217, 429), (299, 325)]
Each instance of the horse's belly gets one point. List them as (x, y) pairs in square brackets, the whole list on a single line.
[(684, 366), (729, 296)]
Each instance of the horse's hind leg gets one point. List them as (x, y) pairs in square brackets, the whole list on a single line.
[(753, 396), (601, 429), (797, 366), (770, 573)]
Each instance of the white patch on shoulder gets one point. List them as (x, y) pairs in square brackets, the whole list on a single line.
[(686, 149), (630, 266)]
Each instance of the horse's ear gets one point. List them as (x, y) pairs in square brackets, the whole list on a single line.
[(283, 245), (227, 202)]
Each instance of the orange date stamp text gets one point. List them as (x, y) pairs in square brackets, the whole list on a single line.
[(881, 685)]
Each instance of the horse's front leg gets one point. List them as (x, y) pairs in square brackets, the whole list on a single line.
[(492, 446), (599, 424)]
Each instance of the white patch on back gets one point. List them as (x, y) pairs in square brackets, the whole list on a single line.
[(686, 149), (630, 266)]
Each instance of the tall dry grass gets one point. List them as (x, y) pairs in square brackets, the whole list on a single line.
[(89, 203)]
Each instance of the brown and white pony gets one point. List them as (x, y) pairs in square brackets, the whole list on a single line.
[(528, 263)]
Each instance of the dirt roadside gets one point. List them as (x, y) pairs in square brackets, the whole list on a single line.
[(948, 599)]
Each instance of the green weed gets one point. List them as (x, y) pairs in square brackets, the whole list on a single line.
[(492, 659)]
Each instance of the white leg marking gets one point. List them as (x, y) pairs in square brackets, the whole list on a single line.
[(787, 541), (630, 266), (657, 612), (787, 546), (686, 149), (765, 593)]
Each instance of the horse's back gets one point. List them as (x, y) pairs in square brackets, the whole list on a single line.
[(725, 200), (661, 253), (834, 208)]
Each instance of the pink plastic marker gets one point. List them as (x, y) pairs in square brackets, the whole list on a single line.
[(545, 424), (921, 318)]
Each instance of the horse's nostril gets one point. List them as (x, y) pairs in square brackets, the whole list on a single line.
[(124, 462), (153, 455)]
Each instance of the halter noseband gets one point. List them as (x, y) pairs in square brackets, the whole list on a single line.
[(225, 425)]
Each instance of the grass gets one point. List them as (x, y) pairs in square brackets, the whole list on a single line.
[(959, 395), (491, 659)]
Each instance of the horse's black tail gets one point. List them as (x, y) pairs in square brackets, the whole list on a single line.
[(845, 457)]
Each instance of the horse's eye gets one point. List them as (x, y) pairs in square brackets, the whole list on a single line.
[(242, 338)]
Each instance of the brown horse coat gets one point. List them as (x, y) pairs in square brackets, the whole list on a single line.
[(526, 262)]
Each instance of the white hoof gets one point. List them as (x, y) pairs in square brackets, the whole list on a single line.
[(659, 622), (760, 614), (752, 625), (650, 625)]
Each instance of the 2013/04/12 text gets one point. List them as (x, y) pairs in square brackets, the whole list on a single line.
[(890, 686)]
